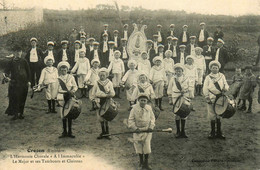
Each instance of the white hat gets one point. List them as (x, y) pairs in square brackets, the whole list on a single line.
[(131, 62), (159, 25), (160, 45), (172, 25), (95, 60), (77, 41), (126, 25), (144, 52), (63, 63), (157, 58), (202, 23), (210, 38), (48, 58), (142, 73), (220, 40), (143, 95), (167, 51), (50, 43), (185, 26), (105, 25), (95, 43), (111, 42), (179, 65), (91, 39), (192, 37), (103, 69), (175, 38), (189, 57), (117, 51), (198, 48), (116, 31), (64, 42), (169, 37), (149, 41), (182, 46), (83, 36), (214, 62), (33, 39)]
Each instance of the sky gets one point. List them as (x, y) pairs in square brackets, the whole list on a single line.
[(219, 7)]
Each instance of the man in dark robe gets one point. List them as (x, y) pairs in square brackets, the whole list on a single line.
[(17, 73)]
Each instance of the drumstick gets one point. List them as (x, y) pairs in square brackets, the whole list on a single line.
[(169, 130)]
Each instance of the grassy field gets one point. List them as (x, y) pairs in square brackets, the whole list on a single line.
[(38, 130)]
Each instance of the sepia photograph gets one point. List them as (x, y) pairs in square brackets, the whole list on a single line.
[(129, 85)]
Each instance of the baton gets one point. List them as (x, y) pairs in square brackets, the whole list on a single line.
[(169, 130)]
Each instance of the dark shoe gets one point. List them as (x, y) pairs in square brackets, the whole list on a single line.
[(161, 108), (146, 167), (71, 136), (49, 111), (21, 116), (63, 135), (220, 136), (243, 108), (107, 137), (249, 111), (211, 136), (183, 135), (92, 109), (100, 136), (15, 117), (178, 135)]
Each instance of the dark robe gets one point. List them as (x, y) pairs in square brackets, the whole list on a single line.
[(19, 72)]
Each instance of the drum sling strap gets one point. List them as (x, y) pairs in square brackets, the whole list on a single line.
[(101, 87), (178, 85), (216, 84), (217, 87), (67, 96), (141, 90)]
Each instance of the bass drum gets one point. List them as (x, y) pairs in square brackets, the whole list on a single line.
[(181, 107), (224, 106), (109, 110)]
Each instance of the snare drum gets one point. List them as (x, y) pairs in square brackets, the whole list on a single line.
[(109, 110), (224, 106), (72, 109), (181, 107)]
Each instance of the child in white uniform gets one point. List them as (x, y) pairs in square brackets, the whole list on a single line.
[(66, 97), (143, 86), (174, 90), (144, 64), (142, 118), (90, 80), (158, 78), (49, 78), (103, 90), (199, 62), (118, 69), (215, 83), (130, 80), (82, 68)]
